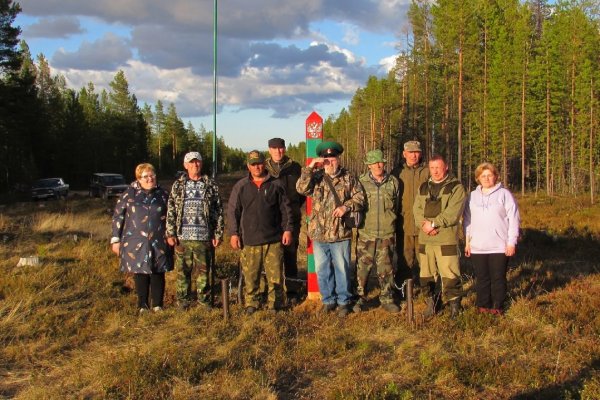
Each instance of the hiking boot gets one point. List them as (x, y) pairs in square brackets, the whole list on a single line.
[(455, 308), (327, 308), (250, 310), (272, 311), (391, 308), (430, 310), (358, 307), (343, 311)]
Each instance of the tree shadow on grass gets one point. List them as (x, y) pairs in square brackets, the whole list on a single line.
[(570, 389), (546, 262)]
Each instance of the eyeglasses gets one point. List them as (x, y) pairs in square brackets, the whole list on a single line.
[(148, 176)]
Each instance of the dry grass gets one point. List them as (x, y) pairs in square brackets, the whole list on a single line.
[(68, 330)]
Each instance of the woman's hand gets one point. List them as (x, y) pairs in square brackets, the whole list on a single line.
[(115, 247), (510, 251), (468, 250)]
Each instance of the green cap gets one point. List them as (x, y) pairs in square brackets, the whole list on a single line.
[(374, 156), (255, 157), (329, 149)]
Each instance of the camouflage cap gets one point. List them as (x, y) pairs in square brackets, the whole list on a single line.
[(255, 157), (192, 155), (412, 145), (329, 149), (374, 156)]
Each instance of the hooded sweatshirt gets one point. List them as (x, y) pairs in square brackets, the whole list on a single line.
[(491, 221)]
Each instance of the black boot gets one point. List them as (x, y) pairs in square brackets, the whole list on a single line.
[(455, 308), (430, 310)]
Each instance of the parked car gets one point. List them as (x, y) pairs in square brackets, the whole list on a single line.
[(106, 185), (49, 188)]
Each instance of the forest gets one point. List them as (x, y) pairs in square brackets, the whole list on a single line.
[(512, 82)]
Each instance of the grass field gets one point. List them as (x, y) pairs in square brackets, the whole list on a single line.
[(68, 329)]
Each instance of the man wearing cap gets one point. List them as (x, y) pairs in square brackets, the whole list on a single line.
[(283, 168), (437, 210), (259, 222), (412, 173), (377, 237), (331, 239), (194, 225)]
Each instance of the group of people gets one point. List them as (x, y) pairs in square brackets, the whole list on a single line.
[(408, 223)]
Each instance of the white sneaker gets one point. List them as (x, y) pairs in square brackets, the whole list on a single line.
[(143, 311), (157, 309)]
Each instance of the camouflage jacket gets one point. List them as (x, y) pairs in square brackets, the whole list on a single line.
[(322, 226), (381, 207), (212, 207)]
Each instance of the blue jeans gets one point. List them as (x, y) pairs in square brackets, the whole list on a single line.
[(332, 262)]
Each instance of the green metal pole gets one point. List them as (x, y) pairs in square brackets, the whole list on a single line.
[(214, 142)]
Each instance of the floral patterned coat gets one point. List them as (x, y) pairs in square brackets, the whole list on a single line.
[(138, 223)]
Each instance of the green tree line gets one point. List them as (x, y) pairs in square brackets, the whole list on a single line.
[(511, 82), (48, 129)]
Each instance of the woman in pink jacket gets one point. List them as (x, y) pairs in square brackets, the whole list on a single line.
[(491, 222)]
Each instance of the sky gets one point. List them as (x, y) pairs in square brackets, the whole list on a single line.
[(277, 60)]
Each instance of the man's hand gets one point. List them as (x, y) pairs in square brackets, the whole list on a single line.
[(235, 242), (115, 247), (172, 241), (340, 211), (216, 242), (428, 229), (287, 238)]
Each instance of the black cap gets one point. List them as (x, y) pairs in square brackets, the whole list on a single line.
[(277, 143)]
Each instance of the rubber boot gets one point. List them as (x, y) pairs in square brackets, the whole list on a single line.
[(455, 308)]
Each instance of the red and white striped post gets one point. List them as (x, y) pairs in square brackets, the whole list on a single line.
[(314, 136)]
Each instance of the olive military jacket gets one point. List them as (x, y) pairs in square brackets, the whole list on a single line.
[(452, 198), (411, 179), (381, 207), (323, 226)]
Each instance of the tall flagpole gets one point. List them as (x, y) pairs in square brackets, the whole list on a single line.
[(214, 141)]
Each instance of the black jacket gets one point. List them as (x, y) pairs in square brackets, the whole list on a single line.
[(258, 215)]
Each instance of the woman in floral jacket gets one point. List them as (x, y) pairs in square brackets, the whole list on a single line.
[(138, 236)]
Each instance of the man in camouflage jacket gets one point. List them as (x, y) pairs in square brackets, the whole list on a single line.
[(376, 238), (194, 224), (331, 239)]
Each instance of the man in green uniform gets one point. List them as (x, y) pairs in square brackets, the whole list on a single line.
[(412, 173), (376, 238), (437, 210)]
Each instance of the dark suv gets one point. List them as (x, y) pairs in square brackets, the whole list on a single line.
[(49, 188), (106, 185)]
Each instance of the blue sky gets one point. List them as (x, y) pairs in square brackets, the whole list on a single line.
[(278, 60)]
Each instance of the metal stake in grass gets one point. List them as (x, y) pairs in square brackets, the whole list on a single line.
[(409, 302), (225, 298)]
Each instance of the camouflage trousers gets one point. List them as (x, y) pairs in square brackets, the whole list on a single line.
[(378, 253), (270, 258), (192, 254)]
